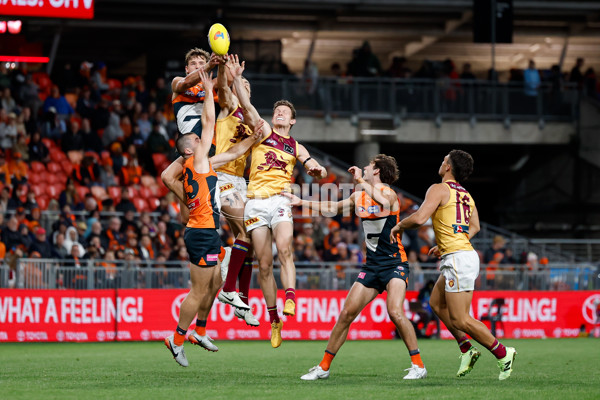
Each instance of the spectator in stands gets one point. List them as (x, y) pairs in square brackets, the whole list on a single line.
[(4, 199), (125, 204), (30, 201), (107, 176), (128, 223), (53, 127), (75, 277), (367, 63), (11, 237), (498, 246), (531, 77), (69, 196), (4, 76), (72, 140), (41, 244), (8, 131), (157, 143), (101, 117), (112, 235), (5, 175), (85, 105), (56, 100), (7, 102), (87, 173), (29, 120), (19, 192), (113, 131), (38, 150), (21, 148), (29, 94), (466, 73), (91, 140), (576, 76), (398, 68)]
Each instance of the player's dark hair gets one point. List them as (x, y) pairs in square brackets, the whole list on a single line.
[(461, 163), (388, 168), (182, 142), (287, 104), (196, 52)]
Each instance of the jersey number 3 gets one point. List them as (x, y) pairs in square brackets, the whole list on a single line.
[(191, 183), (463, 209)]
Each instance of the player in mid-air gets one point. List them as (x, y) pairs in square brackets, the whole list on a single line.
[(231, 129), (386, 268), (455, 221), (201, 237), (189, 94), (268, 214)]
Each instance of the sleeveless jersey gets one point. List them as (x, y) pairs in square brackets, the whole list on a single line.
[(229, 131), (451, 220), (187, 107), (273, 161), (377, 225), (200, 190)]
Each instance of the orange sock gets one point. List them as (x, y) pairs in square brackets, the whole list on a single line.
[(201, 330), (416, 359), (327, 359), (179, 337)]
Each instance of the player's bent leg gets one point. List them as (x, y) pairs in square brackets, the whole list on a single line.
[(283, 233)]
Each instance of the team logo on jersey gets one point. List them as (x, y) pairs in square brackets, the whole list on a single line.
[(240, 134), (272, 162), (361, 209), (191, 93), (270, 141), (251, 221), (288, 149), (373, 209), (461, 228)]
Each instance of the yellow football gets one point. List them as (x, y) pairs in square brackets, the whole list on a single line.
[(218, 39)]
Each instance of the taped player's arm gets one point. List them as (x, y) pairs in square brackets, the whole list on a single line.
[(171, 177), (474, 226), (226, 98), (236, 151), (251, 115), (331, 207), (310, 164)]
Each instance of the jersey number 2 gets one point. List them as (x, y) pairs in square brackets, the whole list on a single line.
[(462, 208)]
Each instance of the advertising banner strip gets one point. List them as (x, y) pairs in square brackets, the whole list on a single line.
[(77, 9), (140, 314)]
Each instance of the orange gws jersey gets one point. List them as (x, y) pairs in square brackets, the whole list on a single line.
[(451, 220), (187, 107), (377, 224), (273, 161), (229, 131), (200, 190)]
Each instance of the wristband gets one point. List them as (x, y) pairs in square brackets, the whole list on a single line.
[(305, 161)]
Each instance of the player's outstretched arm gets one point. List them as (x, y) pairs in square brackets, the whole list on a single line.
[(171, 177), (436, 194), (251, 115), (208, 126), (312, 166), (386, 197), (237, 150), (181, 84), (226, 98), (330, 207)]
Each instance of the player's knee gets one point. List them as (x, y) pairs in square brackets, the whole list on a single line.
[(397, 316), (284, 252), (347, 316), (460, 323)]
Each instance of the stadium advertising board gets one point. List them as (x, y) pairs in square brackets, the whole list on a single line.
[(80, 9), (129, 314)]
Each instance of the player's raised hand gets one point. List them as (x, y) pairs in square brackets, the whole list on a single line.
[(395, 232), (434, 251), (294, 200), (213, 61), (233, 63), (258, 130), (206, 79), (356, 172)]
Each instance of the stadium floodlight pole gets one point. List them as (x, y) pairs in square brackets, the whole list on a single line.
[(54, 50)]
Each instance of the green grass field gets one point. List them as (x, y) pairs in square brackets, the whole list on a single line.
[(544, 369)]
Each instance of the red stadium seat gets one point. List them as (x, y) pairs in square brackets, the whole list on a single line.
[(37, 167), (54, 168), (38, 189), (54, 190), (114, 192), (140, 204), (42, 201), (57, 156), (162, 189), (62, 177), (160, 162), (153, 203), (67, 166), (34, 178), (133, 192), (145, 192), (148, 181), (49, 143), (50, 178), (82, 191)]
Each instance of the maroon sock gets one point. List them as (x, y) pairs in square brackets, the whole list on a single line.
[(244, 278), (273, 316), (464, 344), (290, 293), (238, 254), (498, 349)]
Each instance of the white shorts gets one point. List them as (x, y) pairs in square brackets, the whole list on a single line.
[(460, 269), (269, 212), (228, 183)]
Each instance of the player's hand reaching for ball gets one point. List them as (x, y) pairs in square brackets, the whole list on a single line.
[(317, 172), (356, 172), (206, 79), (233, 63)]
